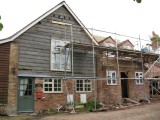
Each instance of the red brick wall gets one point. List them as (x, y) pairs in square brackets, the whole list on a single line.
[(52, 100), (109, 93)]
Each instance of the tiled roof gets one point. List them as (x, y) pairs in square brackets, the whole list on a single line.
[(125, 42)]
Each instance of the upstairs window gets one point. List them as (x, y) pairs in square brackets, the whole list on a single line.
[(60, 56), (127, 47), (110, 45), (111, 77), (139, 76)]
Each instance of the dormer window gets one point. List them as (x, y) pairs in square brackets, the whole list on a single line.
[(110, 45), (127, 47)]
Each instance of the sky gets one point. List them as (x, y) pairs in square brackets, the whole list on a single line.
[(124, 17)]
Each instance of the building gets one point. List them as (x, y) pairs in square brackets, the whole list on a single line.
[(55, 61), (124, 69), (36, 67)]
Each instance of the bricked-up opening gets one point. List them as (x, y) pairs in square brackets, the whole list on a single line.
[(124, 85)]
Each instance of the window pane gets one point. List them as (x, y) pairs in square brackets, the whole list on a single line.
[(137, 75), (59, 89), (109, 81), (46, 89), (46, 80), (21, 93), (114, 81), (50, 80), (113, 75), (50, 89), (137, 80), (55, 89), (57, 84), (109, 77)]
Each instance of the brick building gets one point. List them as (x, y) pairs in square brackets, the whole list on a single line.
[(37, 70), (51, 62), (121, 72)]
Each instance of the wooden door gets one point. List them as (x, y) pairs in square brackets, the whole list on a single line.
[(26, 95)]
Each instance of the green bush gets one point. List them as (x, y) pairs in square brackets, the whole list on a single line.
[(90, 105)]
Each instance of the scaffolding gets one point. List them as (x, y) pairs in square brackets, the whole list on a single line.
[(135, 55)]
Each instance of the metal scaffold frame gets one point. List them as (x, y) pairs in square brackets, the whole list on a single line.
[(94, 48)]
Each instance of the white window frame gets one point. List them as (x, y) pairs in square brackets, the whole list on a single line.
[(109, 77), (110, 45), (51, 81), (61, 56), (89, 82), (139, 76), (127, 47)]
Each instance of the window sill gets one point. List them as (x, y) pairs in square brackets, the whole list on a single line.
[(60, 70), (52, 92), (112, 84), (83, 91), (139, 84)]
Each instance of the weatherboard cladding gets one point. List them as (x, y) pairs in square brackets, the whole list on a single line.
[(35, 44), (4, 71)]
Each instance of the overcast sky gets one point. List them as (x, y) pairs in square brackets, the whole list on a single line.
[(117, 16)]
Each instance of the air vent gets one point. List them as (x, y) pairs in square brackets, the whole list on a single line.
[(61, 17)]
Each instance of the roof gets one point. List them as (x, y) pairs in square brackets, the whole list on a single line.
[(106, 39), (99, 38), (63, 3), (122, 43)]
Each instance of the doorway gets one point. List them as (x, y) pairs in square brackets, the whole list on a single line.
[(26, 95), (124, 85)]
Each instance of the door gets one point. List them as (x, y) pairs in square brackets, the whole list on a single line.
[(26, 95), (124, 85)]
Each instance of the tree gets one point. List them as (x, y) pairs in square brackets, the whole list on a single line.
[(138, 1), (1, 25), (155, 38)]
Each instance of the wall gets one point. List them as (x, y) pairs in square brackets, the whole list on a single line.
[(13, 79), (4, 71), (108, 94), (35, 46), (53, 100), (127, 43)]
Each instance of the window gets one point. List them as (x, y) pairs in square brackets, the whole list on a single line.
[(52, 85), (139, 75), (83, 86), (111, 77), (59, 56), (127, 47), (110, 45)]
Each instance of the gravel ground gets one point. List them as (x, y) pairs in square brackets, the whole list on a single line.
[(143, 112)]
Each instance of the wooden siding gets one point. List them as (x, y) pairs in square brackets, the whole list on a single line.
[(4, 71), (35, 44)]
